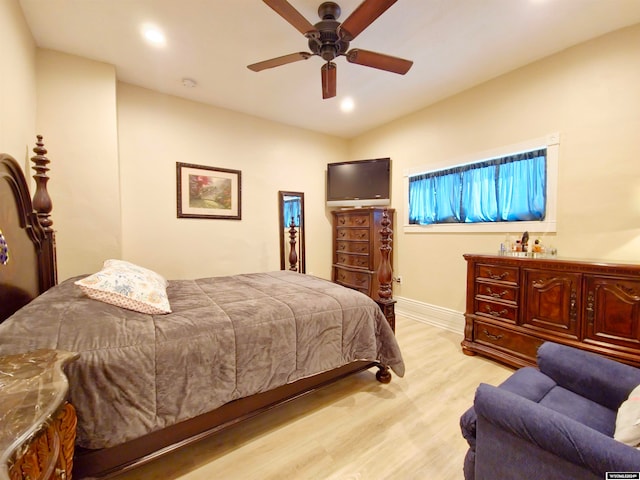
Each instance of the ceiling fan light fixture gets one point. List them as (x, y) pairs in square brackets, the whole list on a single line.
[(328, 52)]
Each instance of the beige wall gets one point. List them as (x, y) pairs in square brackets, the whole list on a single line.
[(17, 84), (590, 95), (77, 117), (155, 131)]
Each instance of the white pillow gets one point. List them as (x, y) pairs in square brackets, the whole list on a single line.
[(129, 286), (628, 420)]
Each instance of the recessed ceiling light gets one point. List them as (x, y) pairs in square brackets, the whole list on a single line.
[(153, 35), (347, 104)]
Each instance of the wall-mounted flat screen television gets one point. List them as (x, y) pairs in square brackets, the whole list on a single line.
[(359, 183)]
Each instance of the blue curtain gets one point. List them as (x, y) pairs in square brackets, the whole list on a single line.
[(291, 209), (511, 188), (448, 197), (522, 186), (422, 200), (435, 197), (479, 194)]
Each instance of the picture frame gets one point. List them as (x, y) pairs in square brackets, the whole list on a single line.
[(208, 192)]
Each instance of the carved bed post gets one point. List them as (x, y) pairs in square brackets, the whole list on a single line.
[(385, 273), (385, 277), (42, 205), (293, 255)]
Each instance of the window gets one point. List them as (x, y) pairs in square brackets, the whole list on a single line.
[(488, 195), (504, 189)]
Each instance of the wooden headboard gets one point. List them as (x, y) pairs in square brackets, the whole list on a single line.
[(27, 243)]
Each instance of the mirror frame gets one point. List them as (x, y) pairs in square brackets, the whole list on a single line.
[(300, 237)]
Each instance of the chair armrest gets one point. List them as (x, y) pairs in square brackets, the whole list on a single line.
[(587, 374), (551, 431)]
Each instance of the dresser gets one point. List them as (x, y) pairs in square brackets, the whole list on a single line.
[(356, 252), (514, 304), (38, 425)]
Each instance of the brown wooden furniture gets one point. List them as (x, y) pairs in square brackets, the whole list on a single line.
[(26, 227), (514, 304), (38, 426), (31, 270), (362, 254)]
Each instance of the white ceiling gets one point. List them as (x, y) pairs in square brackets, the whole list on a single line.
[(455, 44)]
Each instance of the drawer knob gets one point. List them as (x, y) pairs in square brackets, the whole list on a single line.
[(491, 335), (590, 306), (497, 276), (496, 294), (495, 313)]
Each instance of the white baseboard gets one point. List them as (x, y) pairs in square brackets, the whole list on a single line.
[(444, 318)]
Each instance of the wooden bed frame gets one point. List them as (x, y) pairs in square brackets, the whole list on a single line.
[(30, 240), (31, 270)]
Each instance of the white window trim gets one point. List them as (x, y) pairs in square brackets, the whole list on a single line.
[(551, 142)]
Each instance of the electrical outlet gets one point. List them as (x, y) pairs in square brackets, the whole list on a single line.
[(398, 279)]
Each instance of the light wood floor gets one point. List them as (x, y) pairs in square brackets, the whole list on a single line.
[(356, 429)]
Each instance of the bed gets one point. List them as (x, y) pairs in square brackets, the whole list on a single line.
[(147, 383)]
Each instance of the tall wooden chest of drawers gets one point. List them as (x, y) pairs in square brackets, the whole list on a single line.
[(514, 304), (356, 248)]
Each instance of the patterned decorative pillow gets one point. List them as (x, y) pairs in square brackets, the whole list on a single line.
[(129, 286), (628, 420)]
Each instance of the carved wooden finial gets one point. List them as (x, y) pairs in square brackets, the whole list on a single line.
[(385, 274), (41, 200), (293, 255)]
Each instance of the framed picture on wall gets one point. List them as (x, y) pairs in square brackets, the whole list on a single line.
[(208, 192)]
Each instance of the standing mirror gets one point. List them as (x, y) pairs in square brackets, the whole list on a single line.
[(291, 213)]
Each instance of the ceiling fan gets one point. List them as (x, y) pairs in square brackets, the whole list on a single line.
[(330, 39)]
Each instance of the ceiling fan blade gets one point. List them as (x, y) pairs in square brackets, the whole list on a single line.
[(329, 76), (362, 17), (291, 15), (276, 62), (379, 60)]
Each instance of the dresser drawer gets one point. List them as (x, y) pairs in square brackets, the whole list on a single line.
[(510, 341), (497, 291), (498, 273), (354, 220), (353, 260), (500, 311), (353, 279), (353, 234), (352, 247)]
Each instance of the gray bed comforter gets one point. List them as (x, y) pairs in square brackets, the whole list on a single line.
[(226, 338)]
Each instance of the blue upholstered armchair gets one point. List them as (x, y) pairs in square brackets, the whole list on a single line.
[(554, 423)]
